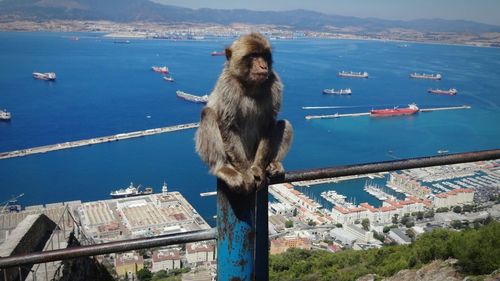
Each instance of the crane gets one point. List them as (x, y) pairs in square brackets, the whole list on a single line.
[(5, 204)]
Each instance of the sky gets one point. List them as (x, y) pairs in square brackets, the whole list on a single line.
[(484, 11)]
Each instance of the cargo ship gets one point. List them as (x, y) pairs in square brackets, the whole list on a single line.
[(130, 191), (411, 109), (48, 76), (215, 53), (5, 115), (450, 92), (425, 76), (337, 92), (192, 98), (160, 69), (353, 74)]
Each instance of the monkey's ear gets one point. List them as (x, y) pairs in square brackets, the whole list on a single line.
[(228, 53)]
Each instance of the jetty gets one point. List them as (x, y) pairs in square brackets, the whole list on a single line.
[(111, 138), (336, 115)]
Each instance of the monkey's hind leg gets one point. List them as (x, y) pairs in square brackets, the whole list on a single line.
[(210, 147), (280, 143)]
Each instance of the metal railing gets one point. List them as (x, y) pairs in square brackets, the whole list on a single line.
[(241, 232)]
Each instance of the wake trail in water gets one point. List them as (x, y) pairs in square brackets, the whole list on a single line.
[(345, 106)]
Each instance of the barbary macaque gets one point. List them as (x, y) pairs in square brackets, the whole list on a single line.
[(239, 137)]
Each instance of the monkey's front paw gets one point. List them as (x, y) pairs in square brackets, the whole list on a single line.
[(275, 169), (259, 177), (230, 176)]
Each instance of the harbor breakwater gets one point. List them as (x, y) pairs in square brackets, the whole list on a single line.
[(111, 138)]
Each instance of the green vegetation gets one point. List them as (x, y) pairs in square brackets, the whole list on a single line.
[(289, 224), (442, 210), (366, 224), (477, 252), (162, 275)]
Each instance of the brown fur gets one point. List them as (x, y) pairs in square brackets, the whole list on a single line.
[(239, 137)]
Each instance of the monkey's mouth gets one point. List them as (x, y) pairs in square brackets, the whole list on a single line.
[(260, 76)]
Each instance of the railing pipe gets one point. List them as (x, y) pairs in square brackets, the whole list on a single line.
[(361, 169), (107, 248)]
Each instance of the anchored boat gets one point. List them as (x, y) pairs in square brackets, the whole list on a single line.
[(353, 74), (411, 109), (48, 76), (337, 92), (425, 76), (450, 92)]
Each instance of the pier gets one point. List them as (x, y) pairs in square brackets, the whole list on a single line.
[(336, 115), (117, 137)]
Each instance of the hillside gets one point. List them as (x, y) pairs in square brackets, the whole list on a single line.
[(145, 10), (476, 252)]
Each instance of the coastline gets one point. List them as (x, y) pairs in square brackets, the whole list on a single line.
[(192, 31)]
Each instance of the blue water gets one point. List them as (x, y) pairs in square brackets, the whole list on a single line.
[(105, 88)]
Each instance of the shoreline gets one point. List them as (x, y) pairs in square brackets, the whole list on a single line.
[(197, 32)]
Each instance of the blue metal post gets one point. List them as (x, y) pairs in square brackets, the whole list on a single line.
[(242, 243)]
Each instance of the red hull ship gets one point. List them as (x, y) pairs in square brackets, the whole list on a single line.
[(411, 109)]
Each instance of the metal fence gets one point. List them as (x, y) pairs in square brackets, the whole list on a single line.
[(242, 223)]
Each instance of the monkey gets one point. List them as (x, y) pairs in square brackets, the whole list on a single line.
[(239, 136)]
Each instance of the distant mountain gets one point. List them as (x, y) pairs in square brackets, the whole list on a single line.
[(145, 10)]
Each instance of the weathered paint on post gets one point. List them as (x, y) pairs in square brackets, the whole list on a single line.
[(239, 257)]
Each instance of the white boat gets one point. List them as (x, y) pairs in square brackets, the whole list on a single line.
[(160, 69), (337, 92), (5, 115), (192, 98), (450, 92), (168, 78), (47, 76), (425, 76), (352, 74), (130, 191)]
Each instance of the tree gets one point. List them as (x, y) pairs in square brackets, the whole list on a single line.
[(467, 208), (456, 224), (366, 224), (144, 274), (386, 229), (311, 223), (338, 225), (395, 219), (295, 212), (442, 210), (457, 209), (420, 215), (429, 214), (410, 223), (289, 224), (405, 220)]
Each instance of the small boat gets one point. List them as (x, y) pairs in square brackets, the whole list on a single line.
[(121, 41), (442, 151), (215, 53), (450, 92), (5, 115), (425, 76), (168, 78), (160, 69), (353, 74), (337, 92), (411, 109), (47, 76), (192, 98)]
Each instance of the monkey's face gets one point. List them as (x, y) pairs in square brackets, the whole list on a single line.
[(258, 66), (250, 59)]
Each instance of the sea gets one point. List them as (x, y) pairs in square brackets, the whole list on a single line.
[(106, 88)]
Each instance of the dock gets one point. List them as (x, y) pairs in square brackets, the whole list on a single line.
[(117, 137), (336, 115)]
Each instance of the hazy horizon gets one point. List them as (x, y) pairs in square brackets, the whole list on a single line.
[(482, 11)]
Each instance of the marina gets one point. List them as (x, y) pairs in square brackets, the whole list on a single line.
[(337, 115), (117, 137)]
